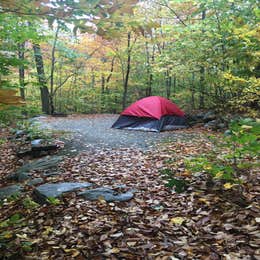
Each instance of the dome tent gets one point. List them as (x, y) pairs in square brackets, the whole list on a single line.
[(152, 113)]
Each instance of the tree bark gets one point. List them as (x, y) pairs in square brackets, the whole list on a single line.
[(128, 67), (111, 72), (202, 74), (192, 89), (148, 90), (168, 81), (21, 69), (51, 96), (41, 78), (103, 84)]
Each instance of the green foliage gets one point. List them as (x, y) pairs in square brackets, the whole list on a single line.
[(236, 154), (28, 203), (12, 221), (33, 131), (178, 184), (53, 201)]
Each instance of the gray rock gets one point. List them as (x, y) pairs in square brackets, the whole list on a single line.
[(52, 173), (54, 190), (215, 124), (12, 176), (18, 176), (35, 181), (222, 125), (37, 142), (42, 164), (9, 191), (23, 176), (212, 124), (200, 115), (209, 116), (107, 194), (20, 133), (228, 132)]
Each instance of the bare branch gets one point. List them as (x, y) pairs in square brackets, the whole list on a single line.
[(63, 82)]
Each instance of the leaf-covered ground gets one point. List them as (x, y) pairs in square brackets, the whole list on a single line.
[(204, 222)]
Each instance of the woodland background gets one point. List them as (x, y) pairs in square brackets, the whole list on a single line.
[(98, 56)]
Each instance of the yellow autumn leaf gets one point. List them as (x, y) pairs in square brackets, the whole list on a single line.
[(228, 185), (115, 250), (219, 175), (47, 231), (246, 127), (204, 201), (177, 220), (74, 251), (207, 167), (23, 236), (8, 235)]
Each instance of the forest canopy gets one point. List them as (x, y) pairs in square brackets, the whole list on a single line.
[(98, 56)]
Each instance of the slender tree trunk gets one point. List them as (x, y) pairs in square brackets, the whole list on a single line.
[(52, 70), (21, 69), (168, 83), (202, 74), (111, 72), (128, 67), (103, 84), (192, 89), (41, 78), (174, 84), (148, 90), (93, 80)]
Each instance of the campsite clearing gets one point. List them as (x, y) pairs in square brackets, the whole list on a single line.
[(94, 132)]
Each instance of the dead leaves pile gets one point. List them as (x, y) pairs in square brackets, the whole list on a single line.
[(157, 223)]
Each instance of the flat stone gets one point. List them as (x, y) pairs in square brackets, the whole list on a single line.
[(23, 176), (37, 142), (42, 164), (18, 176), (8, 191), (54, 190), (39, 145), (209, 116), (20, 133), (107, 194), (35, 181), (52, 173)]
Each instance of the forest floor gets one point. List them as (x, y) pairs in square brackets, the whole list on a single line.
[(203, 222)]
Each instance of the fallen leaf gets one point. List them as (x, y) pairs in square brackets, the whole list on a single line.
[(228, 185), (177, 220)]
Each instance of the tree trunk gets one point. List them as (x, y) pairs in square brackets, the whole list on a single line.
[(41, 78), (93, 79), (192, 89), (202, 74), (148, 90), (103, 84), (127, 70), (110, 74), (21, 69), (174, 84), (168, 83), (51, 96)]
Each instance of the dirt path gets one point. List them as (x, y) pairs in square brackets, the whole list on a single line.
[(95, 132)]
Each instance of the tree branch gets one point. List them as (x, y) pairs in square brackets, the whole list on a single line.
[(172, 11), (62, 83)]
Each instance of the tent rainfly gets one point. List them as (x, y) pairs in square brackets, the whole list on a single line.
[(152, 113)]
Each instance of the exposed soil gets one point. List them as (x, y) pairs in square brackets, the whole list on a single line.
[(95, 132)]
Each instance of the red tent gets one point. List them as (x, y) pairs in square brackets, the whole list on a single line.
[(153, 107)]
